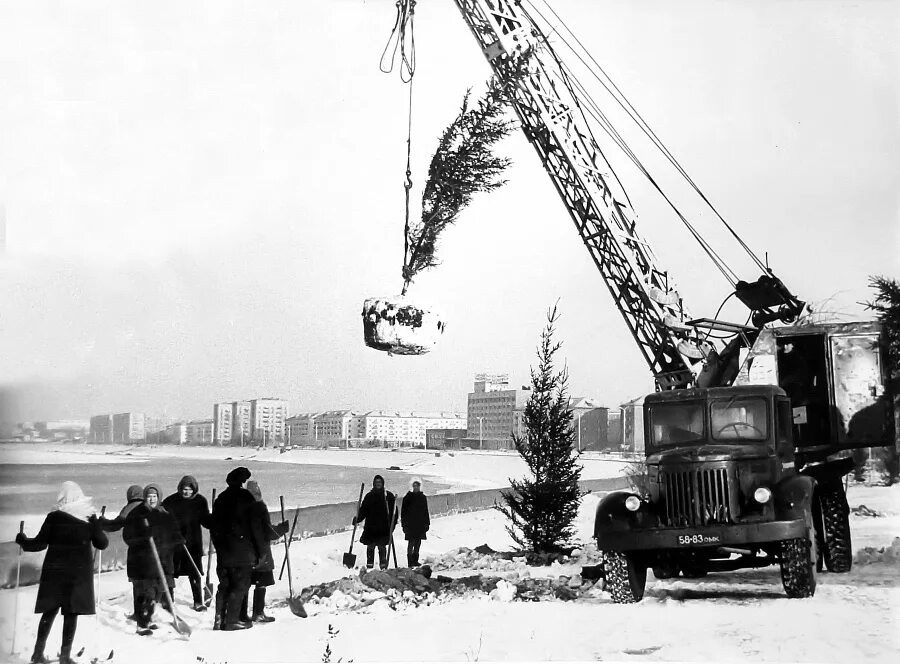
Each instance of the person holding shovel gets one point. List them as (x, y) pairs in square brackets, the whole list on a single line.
[(150, 519), (262, 575), (414, 520), (238, 548), (67, 577), (191, 511), (377, 510)]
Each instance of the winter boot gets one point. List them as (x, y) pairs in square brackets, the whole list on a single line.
[(244, 617), (197, 592), (259, 606), (70, 622), (220, 610)]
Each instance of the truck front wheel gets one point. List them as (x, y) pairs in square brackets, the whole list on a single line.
[(798, 564), (837, 548), (625, 578)]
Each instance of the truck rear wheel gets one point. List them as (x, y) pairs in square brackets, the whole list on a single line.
[(798, 564), (625, 578), (837, 548)]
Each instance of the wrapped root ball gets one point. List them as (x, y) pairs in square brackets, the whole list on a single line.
[(396, 325)]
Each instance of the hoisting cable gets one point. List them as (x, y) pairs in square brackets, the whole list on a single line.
[(402, 38), (645, 127), (717, 260)]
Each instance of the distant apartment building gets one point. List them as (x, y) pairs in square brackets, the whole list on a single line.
[(241, 424), (101, 429), (491, 412), (223, 421), (199, 432), (63, 429), (176, 434), (155, 428), (267, 419), (336, 426), (404, 428), (445, 439), (301, 429), (633, 425), (128, 428)]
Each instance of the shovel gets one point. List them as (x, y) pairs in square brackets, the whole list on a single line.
[(295, 604), (207, 588), (289, 540), (180, 626), (209, 553), (350, 557)]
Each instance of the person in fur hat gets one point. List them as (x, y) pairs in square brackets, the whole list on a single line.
[(414, 520), (134, 496), (262, 575), (67, 578), (238, 549), (191, 511), (377, 510), (150, 519)]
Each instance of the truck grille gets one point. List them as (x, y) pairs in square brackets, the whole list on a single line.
[(697, 497)]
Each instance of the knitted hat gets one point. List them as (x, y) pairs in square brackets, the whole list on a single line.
[(237, 476), (151, 488), (134, 492)]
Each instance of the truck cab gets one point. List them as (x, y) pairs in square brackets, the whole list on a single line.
[(721, 492)]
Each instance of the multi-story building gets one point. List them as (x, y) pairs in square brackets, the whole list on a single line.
[(241, 424), (301, 429), (335, 426), (223, 419), (614, 430), (199, 432), (267, 419), (633, 425), (176, 434), (129, 428), (491, 418), (404, 428), (101, 429)]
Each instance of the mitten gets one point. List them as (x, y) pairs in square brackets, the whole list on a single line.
[(20, 538)]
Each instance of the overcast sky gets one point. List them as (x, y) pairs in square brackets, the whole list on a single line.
[(199, 196)]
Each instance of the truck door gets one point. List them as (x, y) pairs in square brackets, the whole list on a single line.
[(859, 397), (803, 374)]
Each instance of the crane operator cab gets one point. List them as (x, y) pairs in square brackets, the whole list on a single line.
[(720, 493)]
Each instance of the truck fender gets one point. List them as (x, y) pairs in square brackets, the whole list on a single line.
[(613, 515), (793, 496)]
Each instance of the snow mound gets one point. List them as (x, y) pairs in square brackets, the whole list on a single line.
[(885, 554)]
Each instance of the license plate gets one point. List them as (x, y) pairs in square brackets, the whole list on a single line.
[(693, 539)]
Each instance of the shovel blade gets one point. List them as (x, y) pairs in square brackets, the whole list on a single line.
[(350, 560), (296, 607), (182, 627)]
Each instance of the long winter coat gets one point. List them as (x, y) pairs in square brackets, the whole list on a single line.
[(266, 533), (67, 577), (237, 543), (192, 514), (166, 536), (377, 511), (414, 516)]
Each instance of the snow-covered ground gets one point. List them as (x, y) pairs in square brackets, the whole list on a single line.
[(739, 616)]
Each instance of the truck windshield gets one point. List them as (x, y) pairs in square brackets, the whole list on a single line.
[(676, 423), (739, 418)]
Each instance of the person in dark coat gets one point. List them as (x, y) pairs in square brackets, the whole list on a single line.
[(414, 520), (147, 520), (377, 510), (238, 549), (191, 511), (67, 576), (134, 496), (262, 575)]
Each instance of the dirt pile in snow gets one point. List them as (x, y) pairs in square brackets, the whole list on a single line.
[(885, 554)]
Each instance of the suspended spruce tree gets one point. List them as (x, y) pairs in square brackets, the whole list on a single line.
[(463, 164), (542, 508)]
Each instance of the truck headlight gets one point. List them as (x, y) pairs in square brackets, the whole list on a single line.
[(632, 503), (762, 495)]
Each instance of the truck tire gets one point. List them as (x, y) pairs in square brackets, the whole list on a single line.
[(798, 564), (625, 579), (837, 547)]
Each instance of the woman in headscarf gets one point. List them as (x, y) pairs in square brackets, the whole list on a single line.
[(134, 496), (148, 520), (68, 533), (191, 511), (377, 510), (262, 575), (414, 520)]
